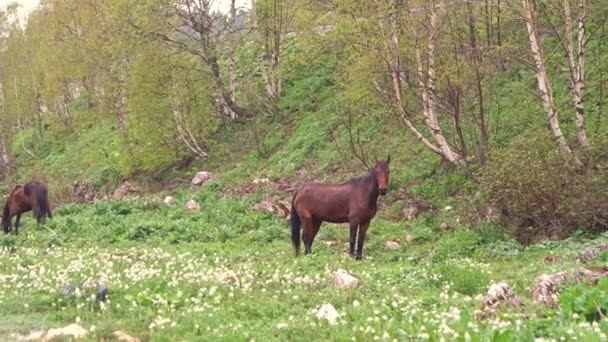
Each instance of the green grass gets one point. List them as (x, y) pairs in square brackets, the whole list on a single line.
[(162, 264)]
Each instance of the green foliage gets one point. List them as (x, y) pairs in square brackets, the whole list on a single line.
[(459, 243), (467, 281), (589, 302), (532, 186)]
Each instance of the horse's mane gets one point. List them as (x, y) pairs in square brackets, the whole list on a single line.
[(371, 173)]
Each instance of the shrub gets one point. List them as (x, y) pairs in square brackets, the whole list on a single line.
[(585, 300), (531, 186)]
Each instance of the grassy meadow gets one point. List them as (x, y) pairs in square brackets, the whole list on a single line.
[(227, 273)]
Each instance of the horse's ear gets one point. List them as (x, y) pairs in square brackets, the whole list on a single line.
[(388, 159)]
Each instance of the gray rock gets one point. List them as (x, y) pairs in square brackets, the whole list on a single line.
[(201, 177)]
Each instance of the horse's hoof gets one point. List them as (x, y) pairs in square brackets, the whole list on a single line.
[(358, 257)]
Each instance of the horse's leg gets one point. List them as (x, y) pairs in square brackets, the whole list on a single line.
[(353, 236), (360, 239), (17, 224), (38, 217), (8, 228), (309, 232), (316, 224)]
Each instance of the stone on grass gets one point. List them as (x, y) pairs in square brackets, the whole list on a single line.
[(226, 277), (272, 207), (591, 275), (329, 243), (169, 200), (392, 245), (546, 288), (191, 205), (498, 295), (34, 335), (592, 253), (329, 313), (415, 206), (122, 336), (126, 189), (344, 280), (71, 331), (201, 177)]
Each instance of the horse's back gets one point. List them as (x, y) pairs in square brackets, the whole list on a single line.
[(34, 187), (325, 202)]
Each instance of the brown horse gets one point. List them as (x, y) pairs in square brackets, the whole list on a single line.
[(354, 202), (24, 198)]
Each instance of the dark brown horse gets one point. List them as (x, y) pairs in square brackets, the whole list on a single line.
[(354, 202), (24, 198)]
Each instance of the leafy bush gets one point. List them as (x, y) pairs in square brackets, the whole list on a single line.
[(532, 186), (586, 301)]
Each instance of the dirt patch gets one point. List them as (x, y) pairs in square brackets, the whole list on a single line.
[(282, 185)]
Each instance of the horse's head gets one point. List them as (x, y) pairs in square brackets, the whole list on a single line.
[(382, 172)]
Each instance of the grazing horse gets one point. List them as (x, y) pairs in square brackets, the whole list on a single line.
[(24, 198), (354, 202)]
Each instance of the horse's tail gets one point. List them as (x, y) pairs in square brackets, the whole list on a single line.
[(6, 217), (295, 226), (44, 209)]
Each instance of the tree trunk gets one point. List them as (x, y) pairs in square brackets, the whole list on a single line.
[(186, 136), (396, 75), (231, 57), (7, 160), (429, 93), (577, 67), (543, 83), (120, 108)]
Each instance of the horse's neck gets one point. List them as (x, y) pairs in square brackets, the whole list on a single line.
[(372, 189)]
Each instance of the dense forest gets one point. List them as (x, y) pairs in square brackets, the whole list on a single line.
[(485, 105)]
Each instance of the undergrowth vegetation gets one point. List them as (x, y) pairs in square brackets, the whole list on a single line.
[(229, 273)]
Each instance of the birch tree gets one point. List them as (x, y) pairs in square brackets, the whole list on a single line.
[(191, 26), (272, 21), (543, 83)]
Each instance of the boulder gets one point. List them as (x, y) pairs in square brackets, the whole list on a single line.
[(592, 253), (278, 208), (546, 288), (414, 206), (71, 331), (201, 178), (34, 335), (328, 312), (497, 295), (126, 189), (226, 277), (329, 243), (591, 275), (122, 336), (191, 205), (392, 245), (84, 192), (344, 280)]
